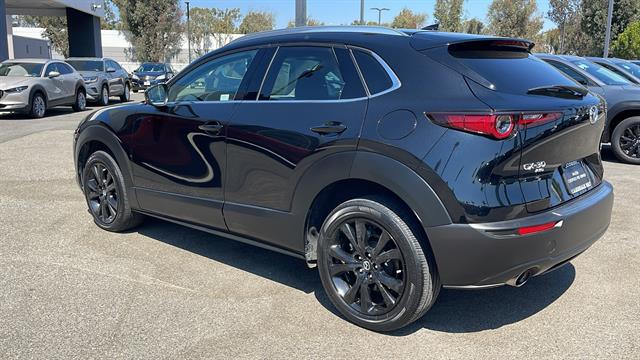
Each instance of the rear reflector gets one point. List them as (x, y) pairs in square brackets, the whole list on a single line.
[(526, 230), (538, 119)]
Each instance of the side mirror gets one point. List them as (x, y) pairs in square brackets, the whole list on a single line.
[(157, 95), (53, 74), (110, 70)]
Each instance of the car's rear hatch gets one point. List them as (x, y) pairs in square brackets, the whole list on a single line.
[(559, 122)]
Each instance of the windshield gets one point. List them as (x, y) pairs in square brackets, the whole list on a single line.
[(151, 68), (601, 73), (21, 69), (630, 67), (86, 65)]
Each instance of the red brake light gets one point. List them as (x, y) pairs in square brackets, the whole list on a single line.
[(537, 228), (498, 126)]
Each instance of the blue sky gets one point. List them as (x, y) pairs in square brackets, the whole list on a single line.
[(336, 12)]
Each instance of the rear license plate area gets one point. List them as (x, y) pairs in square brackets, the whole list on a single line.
[(576, 178)]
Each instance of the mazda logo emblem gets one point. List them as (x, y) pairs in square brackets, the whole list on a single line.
[(593, 114)]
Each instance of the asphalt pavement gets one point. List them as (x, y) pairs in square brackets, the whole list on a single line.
[(70, 290)]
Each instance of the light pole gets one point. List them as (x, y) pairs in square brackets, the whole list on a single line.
[(361, 12), (379, 10), (607, 35), (188, 33)]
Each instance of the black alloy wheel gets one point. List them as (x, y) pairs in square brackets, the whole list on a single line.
[(103, 195), (375, 265), (106, 193), (625, 140), (366, 267)]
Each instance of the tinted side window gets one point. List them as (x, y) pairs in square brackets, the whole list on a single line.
[(569, 72), (374, 74), (216, 80), (115, 65), (64, 69), (310, 73)]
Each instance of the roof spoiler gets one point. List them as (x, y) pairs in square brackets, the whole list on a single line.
[(493, 44)]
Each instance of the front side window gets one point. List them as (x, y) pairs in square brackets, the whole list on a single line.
[(569, 72), (216, 80), (64, 69), (20, 69), (602, 73), (311, 73), (51, 67)]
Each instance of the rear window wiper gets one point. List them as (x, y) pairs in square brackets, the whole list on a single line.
[(562, 91)]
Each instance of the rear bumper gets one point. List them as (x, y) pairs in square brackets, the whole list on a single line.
[(480, 256)]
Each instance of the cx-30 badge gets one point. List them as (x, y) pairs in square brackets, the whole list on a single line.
[(537, 166), (593, 114)]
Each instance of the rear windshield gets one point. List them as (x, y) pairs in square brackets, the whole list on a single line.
[(86, 65), (630, 67), (511, 71), (601, 73)]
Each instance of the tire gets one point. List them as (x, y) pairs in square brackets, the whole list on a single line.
[(38, 106), (81, 101), (625, 140), (126, 94), (398, 273), (106, 194), (103, 100)]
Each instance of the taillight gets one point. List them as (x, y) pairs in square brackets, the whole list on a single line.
[(498, 126)]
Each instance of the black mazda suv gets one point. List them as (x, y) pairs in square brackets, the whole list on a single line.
[(397, 162)]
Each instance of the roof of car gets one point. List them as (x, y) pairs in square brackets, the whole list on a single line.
[(562, 57), (34, 61), (320, 29), (87, 58)]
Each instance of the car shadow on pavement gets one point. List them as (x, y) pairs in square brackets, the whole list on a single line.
[(465, 311), (456, 311), (274, 266)]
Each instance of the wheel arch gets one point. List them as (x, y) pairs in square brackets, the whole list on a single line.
[(618, 113), (359, 174), (98, 137), (41, 89)]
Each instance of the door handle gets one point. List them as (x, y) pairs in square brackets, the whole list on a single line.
[(211, 128), (332, 127)]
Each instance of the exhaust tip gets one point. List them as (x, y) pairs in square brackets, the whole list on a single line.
[(521, 279)]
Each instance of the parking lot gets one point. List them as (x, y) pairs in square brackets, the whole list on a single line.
[(71, 290)]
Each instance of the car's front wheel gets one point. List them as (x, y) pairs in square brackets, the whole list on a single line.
[(106, 194), (81, 101), (38, 106), (104, 96), (126, 95), (372, 265), (625, 140)]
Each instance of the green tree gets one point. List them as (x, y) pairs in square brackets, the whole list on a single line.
[(560, 11), (225, 24), (310, 22), (473, 26), (200, 30), (255, 21), (153, 27), (594, 19), (548, 41), (448, 13), (627, 45), (407, 19), (514, 18), (110, 21)]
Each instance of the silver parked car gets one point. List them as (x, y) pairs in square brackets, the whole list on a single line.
[(32, 86), (104, 78)]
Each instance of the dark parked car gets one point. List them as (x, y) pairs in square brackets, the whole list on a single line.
[(103, 78), (395, 162), (149, 74), (624, 68), (623, 101)]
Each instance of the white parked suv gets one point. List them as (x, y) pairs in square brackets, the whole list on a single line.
[(32, 86)]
